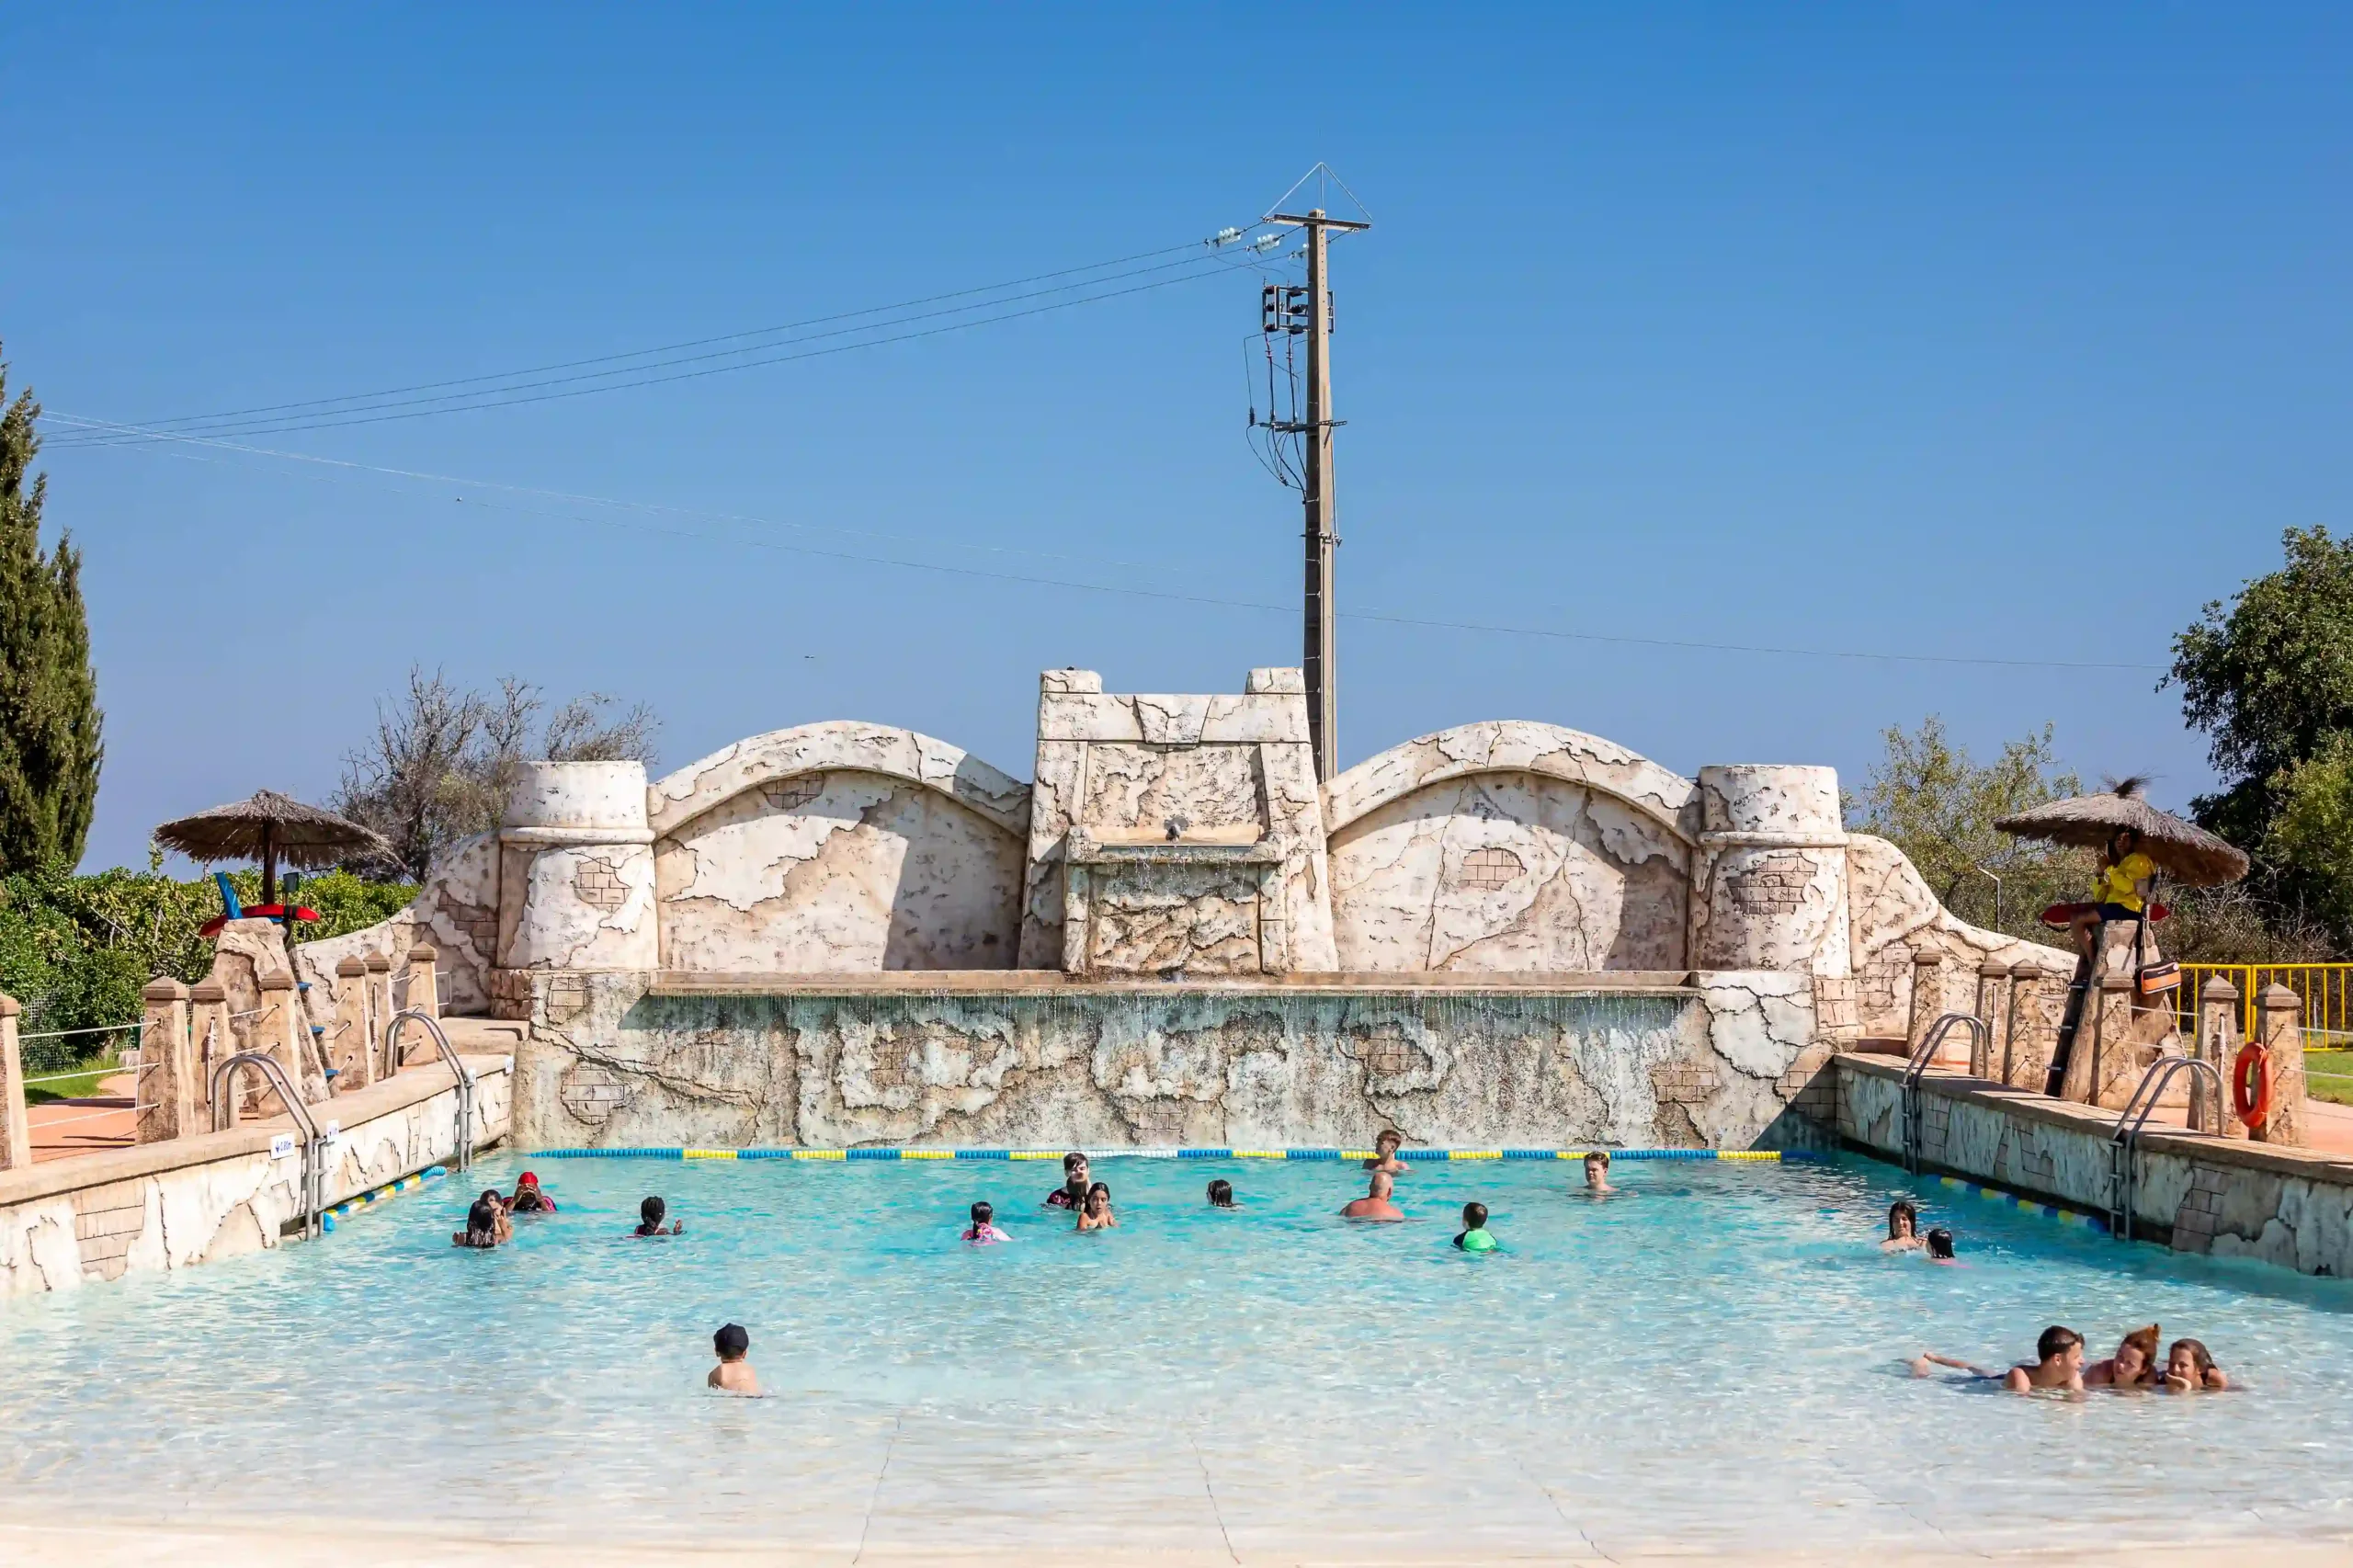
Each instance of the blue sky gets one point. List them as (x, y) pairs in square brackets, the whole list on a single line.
[(1977, 332)]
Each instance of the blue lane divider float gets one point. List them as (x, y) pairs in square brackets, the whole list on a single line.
[(2011, 1200), (350, 1206), (1430, 1156)]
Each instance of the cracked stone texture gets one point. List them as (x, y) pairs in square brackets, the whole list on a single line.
[(455, 911), (1511, 871), (1122, 763), (1894, 914), (2302, 1221), (607, 1064), (838, 872), (545, 922), (222, 1208), (839, 745), (241, 953), (1162, 919)]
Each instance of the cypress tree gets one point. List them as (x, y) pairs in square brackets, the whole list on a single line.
[(50, 748)]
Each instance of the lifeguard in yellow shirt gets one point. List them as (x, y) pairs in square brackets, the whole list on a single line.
[(2121, 888)]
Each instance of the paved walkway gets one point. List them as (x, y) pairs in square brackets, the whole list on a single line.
[(62, 1129)]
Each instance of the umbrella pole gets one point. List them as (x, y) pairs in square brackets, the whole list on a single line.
[(268, 865)]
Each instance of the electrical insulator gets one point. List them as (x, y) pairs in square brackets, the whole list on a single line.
[(1295, 307), (1269, 310), (1225, 236), (1264, 243)]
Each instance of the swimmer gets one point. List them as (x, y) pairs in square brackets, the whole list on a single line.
[(1375, 1204), (1385, 1153), (1098, 1215), (2134, 1365), (1902, 1227), (734, 1374), (2059, 1363), (497, 1201), (2189, 1369), (1072, 1194), (528, 1199), (648, 1220), (984, 1231), (1940, 1246), (1474, 1237), (1596, 1174), (1221, 1194), (482, 1226)]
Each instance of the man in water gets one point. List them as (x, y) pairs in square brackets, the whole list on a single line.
[(733, 1372), (1385, 1153), (1474, 1237), (1375, 1204), (1072, 1194), (1596, 1174)]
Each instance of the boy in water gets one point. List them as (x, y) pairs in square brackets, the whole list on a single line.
[(984, 1231), (1596, 1174), (1375, 1204), (1221, 1194), (1385, 1153), (733, 1373), (1474, 1237), (648, 1220), (1072, 1194), (2059, 1364)]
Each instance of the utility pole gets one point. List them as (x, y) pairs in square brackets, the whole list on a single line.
[(1318, 658)]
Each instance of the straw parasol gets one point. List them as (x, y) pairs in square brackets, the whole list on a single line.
[(270, 827), (2184, 851)]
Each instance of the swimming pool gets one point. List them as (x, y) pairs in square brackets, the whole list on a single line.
[(1709, 1363)]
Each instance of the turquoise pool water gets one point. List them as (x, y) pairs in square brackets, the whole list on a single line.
[(1712, 1360)]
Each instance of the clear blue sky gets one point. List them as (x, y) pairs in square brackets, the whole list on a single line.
[(1984, 331)]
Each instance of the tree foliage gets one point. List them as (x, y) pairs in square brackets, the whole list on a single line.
[(1938, 806), (50, 723), (443, 761)]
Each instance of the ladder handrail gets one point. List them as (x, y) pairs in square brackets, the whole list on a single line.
[(465, 1154), (2125, 1138), (1980, 1038), (274, 1072)]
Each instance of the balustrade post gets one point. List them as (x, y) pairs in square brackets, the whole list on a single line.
[(16, 1131), (1991, 978), (165, 1096), (352, 1048), (423, 994), (2283, 1039), (2217, 1044)]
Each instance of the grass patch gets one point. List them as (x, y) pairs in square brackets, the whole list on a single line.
[(2328, 1076), (87, 1076)]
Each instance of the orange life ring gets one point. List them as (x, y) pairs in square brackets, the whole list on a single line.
[(2251, 1084)]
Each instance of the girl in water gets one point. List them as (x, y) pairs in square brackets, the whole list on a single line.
[(1098, 1215), (482, 1222), (2189, 1369), (2134, 1365), (1902, 1227)]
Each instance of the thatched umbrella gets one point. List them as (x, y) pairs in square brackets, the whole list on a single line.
[(270, 827), (2184, 851)]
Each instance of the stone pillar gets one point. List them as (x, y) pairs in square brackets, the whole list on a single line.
[(380, 1013), (2218, 1046), (350, 1048), (2101, 1043), (423, 988), (210, 1041), (2018, 1019), (166, 1097), (1993, 977), (1770, 876), (16, 1133), (2283, 1038), (576, 882), (278, 1031), (1927, 1005)]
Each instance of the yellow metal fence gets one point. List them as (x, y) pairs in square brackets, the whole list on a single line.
[(2326, 990)]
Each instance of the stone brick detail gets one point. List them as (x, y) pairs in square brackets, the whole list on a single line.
[(598, 885), (106, 1220), (1774, 884), (2198, 1219)]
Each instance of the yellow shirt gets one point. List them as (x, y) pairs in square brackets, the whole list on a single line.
[(2113, 884)]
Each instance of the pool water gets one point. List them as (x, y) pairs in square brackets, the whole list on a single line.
[(1712, 1361)]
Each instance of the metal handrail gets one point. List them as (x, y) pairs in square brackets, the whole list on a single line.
[(465, 1154), (2125, 1138), (1980, 1039), (225, 1115)]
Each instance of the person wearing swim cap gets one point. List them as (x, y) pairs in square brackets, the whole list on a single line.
[(1072, 1194), (1474, 1237)]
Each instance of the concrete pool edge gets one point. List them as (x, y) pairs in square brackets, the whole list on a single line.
[(2195, 1192)]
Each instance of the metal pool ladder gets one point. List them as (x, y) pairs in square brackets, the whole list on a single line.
[(313, 1145), (2125, 1139), (464, 1158), (1981, 1042)]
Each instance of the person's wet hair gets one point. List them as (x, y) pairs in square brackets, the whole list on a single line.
[(2198, 1354), (1474, 1216), (1222, 1193), (1071, 1161), (1390, 1136), (1598, 1157), (1102, 1189), (731, 1342), (481, 1220), (1903, 1209), (651, 1212), (2144, 1339), (1939, 1243), (2056, 1340), (983, 1212)]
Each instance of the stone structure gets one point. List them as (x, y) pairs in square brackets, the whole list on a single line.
[(15, 1134), (845, 932)]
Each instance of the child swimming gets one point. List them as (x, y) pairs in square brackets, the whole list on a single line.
[(482, 1226), (1596, 1174), (1385, 1153), (1072, 1194), (984, 1231), (1902, 1227), (1221, 1194), (1474, 1237), (2191, 1370), (648, 1220), (2059, 1364), (733, 1372), (2134, 1365), (1098, 1215), (528, 1199), (1939, 1245)]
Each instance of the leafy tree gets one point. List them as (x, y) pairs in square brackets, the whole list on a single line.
[(443, 761), (50, 746), (1938, 804)]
